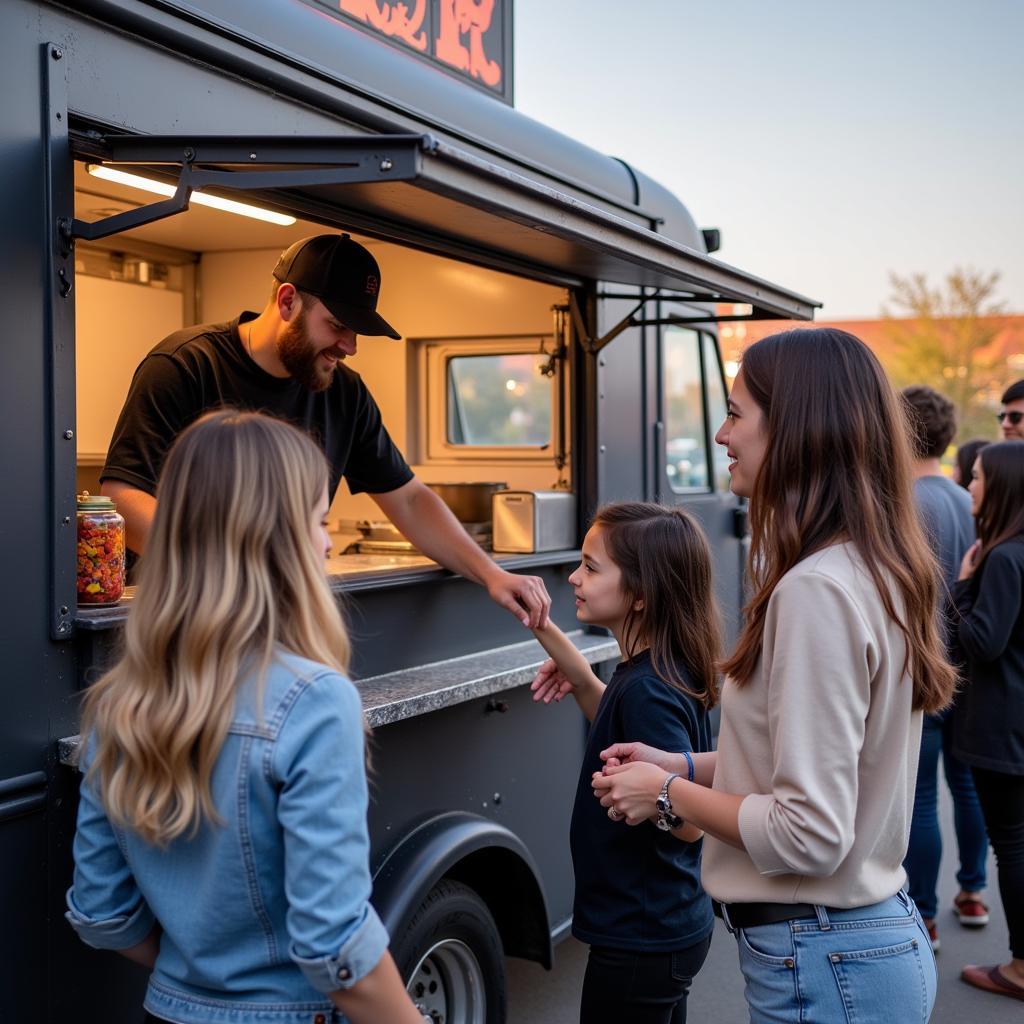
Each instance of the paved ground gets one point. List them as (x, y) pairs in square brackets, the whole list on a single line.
[(540, 997)]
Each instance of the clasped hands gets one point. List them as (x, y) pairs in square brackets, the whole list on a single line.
[(633, 773), (631, 780)]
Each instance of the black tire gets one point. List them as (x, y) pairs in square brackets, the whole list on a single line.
[(451, 958)]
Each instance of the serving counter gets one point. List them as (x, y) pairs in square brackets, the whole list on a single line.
[(413, 689)]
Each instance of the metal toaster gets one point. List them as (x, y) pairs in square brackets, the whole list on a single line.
[(526, 521)]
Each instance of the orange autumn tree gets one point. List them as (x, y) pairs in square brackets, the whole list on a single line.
[(943, 337)]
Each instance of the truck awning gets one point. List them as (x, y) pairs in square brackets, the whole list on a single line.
[(416, 189)]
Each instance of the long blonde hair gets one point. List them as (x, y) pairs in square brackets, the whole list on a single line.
[(229, 576)]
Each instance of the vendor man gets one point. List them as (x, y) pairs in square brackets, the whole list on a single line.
[(289, 361)]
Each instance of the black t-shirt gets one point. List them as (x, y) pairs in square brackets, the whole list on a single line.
[(636, 886), (204, 367)]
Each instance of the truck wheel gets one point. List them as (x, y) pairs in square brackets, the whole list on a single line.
[(452, 959)]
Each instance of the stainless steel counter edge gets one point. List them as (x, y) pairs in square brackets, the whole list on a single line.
[(416, 691), (99, 619)]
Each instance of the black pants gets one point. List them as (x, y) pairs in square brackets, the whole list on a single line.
[(623, 986), (1002, 804)]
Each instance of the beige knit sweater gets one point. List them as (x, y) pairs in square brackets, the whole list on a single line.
[(824, 741)]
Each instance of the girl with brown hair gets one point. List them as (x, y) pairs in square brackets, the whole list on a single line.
[(646, 576), (221, 835), (989, 728), (807, 802)]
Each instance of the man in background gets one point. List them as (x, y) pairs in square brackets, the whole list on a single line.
[(1011, 418), (945, 511)]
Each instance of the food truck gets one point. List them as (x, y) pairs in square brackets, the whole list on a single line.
[(559, 315)]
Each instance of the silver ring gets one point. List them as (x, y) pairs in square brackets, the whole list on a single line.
[(615, 815)]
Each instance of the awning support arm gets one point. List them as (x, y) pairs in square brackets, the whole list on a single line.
[(387, 160), (594, 345)]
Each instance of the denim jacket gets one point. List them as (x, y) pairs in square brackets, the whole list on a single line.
[(264, 913)]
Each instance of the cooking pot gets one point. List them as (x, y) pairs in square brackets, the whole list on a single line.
[(471, 503)]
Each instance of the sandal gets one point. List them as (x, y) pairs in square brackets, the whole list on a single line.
[(971, 911), (991, 980)]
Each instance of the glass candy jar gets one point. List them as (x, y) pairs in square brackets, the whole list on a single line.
[(100, 550)]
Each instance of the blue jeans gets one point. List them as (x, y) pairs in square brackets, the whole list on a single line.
[(925, 849), (869, 965)]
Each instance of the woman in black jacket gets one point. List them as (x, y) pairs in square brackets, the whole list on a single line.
[(990, 725)]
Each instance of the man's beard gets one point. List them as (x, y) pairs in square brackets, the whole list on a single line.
[(299, 356)]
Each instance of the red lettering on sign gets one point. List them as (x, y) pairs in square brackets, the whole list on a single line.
[(459, 17), (391, 19)]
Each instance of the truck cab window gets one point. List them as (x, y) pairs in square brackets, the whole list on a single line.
[(685, 433), (716, 409)]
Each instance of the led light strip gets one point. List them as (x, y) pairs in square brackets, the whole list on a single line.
[(215, 202)]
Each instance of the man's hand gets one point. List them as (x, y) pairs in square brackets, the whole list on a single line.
[(525, 597), (428, 522)]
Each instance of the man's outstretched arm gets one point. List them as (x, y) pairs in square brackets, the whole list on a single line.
[(428, 522)]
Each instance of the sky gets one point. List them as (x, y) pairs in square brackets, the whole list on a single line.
[(831, 141)]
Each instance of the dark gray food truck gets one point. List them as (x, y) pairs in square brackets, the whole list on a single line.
[(559, 314)]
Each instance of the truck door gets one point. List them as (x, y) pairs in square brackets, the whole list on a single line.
[(691, 469)]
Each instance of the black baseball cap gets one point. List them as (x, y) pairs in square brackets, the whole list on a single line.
[(342, 275)]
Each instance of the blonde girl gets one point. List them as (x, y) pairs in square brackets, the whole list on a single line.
[(222, 826)]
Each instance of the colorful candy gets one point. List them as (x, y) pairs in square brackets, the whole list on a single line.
[(100, 551)]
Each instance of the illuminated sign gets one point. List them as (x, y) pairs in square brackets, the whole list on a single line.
[(471, 39)]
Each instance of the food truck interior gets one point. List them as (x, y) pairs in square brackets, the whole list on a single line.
[(476, 390)]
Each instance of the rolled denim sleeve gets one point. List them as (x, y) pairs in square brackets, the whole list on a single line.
[(336, 936), (105, 906)]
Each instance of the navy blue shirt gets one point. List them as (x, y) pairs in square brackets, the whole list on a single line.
[(636, 886)]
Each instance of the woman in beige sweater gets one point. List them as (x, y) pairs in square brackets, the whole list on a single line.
[(807, 802)]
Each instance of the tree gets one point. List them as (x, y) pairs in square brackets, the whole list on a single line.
[(943, 338)]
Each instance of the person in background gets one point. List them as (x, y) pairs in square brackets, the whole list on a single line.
[(989, 728), (1011, 417), (963, 465), (289, 361), (646, 576), (945, 512), (806, 804), (222, 838)]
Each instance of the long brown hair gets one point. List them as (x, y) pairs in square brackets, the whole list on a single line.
[(665, 563), (838, 468), (1001, 513), (230, 575)]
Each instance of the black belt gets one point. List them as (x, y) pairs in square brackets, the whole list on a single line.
[(750, 915)]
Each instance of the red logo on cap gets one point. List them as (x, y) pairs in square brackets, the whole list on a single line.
[(372, 285)]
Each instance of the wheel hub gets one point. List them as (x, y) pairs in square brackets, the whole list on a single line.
[(448, 984)]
